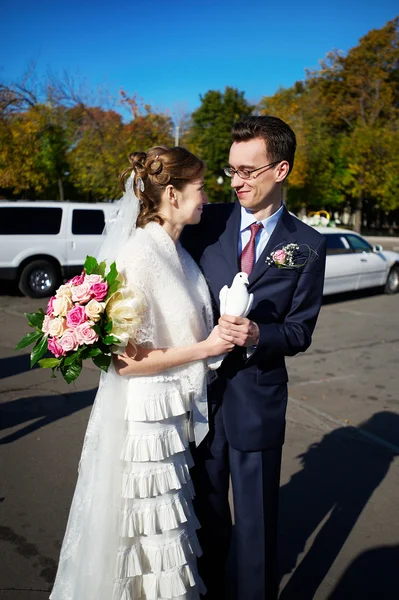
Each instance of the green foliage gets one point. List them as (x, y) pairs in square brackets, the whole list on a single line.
[(28, 339), (210, 136), (346, 119), (90, 264), (39, 349)]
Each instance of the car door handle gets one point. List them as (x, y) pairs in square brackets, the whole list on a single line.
[(363, 260)]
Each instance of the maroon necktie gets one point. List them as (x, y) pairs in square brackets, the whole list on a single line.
[(248, 254)]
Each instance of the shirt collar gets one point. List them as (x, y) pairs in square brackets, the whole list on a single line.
[(247, 218)]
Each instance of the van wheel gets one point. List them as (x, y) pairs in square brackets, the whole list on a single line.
[(38, 279), (392, 284)]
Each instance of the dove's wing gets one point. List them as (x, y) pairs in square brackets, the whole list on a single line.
[(249, 305), (223, 299)]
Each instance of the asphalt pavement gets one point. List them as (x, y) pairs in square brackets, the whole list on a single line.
[(339, 529)]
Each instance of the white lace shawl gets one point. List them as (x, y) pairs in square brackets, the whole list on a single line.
[(178, 313)]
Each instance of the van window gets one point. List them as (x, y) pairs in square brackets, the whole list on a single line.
[(22, 220), (87, 222)]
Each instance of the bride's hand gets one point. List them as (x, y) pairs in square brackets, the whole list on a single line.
[(215, 345)]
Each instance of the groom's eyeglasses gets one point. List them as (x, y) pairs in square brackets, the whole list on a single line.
[(246, 173)]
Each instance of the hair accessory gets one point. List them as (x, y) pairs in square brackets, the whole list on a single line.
[(140, 184)]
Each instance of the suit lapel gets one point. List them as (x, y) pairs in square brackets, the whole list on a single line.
[(229, 239), (284, 232)]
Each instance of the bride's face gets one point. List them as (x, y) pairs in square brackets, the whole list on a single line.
[(191, 201)]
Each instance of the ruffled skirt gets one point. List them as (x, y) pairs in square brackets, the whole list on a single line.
[(137, 528)]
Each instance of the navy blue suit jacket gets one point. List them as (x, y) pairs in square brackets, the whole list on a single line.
[(253, 391)]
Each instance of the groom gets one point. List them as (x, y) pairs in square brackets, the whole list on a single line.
[(248, 400)]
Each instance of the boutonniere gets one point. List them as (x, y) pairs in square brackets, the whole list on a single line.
[(291, 256)]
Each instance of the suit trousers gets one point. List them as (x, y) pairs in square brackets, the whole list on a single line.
[(250, 546)]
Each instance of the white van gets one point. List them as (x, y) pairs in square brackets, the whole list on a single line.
[(43, 243)]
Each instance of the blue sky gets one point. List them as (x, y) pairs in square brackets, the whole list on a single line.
[(170, 52)]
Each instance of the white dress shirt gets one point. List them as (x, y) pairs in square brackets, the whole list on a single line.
[(269, 224)]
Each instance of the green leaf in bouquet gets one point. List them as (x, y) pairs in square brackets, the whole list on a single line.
[(108, 326), (90, 264), (35, 319), (71, 372), (111, 339), (38, 350), (111, 275), (28, 339), (100, 269), (90, 352), (49, 363), (113, 287), (69, 360), (102, 361)]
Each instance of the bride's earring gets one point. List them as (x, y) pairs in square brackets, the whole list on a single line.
[(140, 184)]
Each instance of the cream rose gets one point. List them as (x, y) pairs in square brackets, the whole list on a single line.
[(94, 310), (64, 290), (46, 324), (57, 327), (61, 306)]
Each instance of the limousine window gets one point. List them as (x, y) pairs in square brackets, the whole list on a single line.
[(87, 222), (20, 220), (337, 244)]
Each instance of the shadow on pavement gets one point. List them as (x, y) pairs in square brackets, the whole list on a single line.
[(338, 476), (9, 288), (14, 365), (348, 296), (46, 409), (371, 575)]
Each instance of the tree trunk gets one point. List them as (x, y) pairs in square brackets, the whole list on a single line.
[(358, 214), (61, 189)]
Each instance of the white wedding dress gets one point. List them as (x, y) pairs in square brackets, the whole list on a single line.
[(131, 532)]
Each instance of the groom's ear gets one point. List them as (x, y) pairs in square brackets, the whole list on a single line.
[(282, 171)]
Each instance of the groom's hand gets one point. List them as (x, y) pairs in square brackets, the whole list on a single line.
[(238, 330)]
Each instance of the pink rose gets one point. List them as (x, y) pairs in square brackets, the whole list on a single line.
[(82, 293), (76, 316), (69, 341), (46, 324), (78, 279), (99, 291), (93, 279), (86, 334), (280, 256), (55, 347), (50, 309)]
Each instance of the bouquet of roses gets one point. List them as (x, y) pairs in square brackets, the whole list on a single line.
[(90, 316)]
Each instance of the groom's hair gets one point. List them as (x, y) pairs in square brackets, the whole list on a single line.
[(279, 138)]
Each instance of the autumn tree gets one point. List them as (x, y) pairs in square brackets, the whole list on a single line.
[(360, 93)]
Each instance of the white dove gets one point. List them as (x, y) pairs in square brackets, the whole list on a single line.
[(234, 301)]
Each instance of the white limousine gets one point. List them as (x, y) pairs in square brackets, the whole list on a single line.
[(353, 264)]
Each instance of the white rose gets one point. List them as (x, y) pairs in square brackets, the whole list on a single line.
[(94, 309), (61, 306), (46, 324), (57, 327), (64, 290)]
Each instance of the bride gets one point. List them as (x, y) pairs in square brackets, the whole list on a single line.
[(131, 532)]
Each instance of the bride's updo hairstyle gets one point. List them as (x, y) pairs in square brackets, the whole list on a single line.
[(153, 171)]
